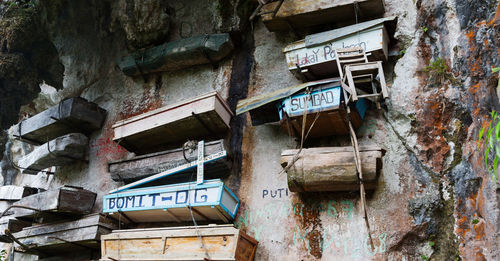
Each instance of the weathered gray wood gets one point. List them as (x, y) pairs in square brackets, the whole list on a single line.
[(204, 116), (56, 204), (146, 165), (13, 225), (201, 49), (71, 115), (60, 151), (13, 193), (54, 238), (306, 13), (223, 242), (331, 169)]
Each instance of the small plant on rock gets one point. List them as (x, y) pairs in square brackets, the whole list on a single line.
[(438, 70), (491, 136)]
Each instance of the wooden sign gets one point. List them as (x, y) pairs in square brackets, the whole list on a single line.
[(331, 168), (209, 201), (204, 116), (315, 55), (143, 166), (221, 242), (318, 100), (66, 236)]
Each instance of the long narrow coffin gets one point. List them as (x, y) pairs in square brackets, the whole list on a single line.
[(203, 116), (314, 57), (323, 111), (14, 193), (221, 242), (60, 151), (296, 14), (146, 165), (71, 115), (13, 225), (67, 236), (209, 201), (201, 49), (56, 204), (331, 168)]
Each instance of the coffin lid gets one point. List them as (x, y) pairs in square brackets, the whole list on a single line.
[(328, 36), (263, 107)]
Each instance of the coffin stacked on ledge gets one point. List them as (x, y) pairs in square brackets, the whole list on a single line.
[(61, 133)]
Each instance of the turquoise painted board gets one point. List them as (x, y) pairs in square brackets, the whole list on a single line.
[(210, 201), (320, 100)]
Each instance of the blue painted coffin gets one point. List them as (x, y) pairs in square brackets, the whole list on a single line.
[(209, 201), (326, 101)]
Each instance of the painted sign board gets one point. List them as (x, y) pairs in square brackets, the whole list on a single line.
[(317, 100), (322, 56), (210, 201)]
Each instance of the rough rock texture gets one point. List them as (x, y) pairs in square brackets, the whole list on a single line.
[(27, 58), (435, 198)]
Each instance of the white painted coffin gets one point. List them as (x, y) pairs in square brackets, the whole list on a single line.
[(206, 115), (209, 201), (222, 242), (315, 55)]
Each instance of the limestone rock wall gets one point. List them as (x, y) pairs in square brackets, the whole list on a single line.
[(435, 198)]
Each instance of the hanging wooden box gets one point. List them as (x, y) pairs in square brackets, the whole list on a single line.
[(331, 168), (326, 101), (14, 193), (56, 204), (56, 238), (13, 225), (204, 116), (71, 115), (146, 165), (315, 55), (222, 242), (209, 201), (171, 56), (296, 14)]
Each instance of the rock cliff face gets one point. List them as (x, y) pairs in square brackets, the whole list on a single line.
[(435, 198)]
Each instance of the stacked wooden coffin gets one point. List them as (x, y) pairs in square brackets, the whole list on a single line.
[(343, 76), (60, 133), (167, 183)]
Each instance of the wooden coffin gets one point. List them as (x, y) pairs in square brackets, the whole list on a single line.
[(66, 236), (315, 55), (296, 14), (171, 56), (325, 101), (222, 242), (71, 115), (13, 225), (331, 168), (64, 202), (14, 193), (209, 201), (204, 116), (146, 165), (60, 151)]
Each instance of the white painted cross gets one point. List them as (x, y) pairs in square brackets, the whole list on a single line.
[(201, 162)]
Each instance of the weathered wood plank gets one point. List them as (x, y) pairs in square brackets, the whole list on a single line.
[(14, 193), (60, 151), (56, 204), (71, 115), (171, 56), (331, 169), (54, 238), (13, 225), (222, 242), (307, 13), (204, 116), (146, 165)]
